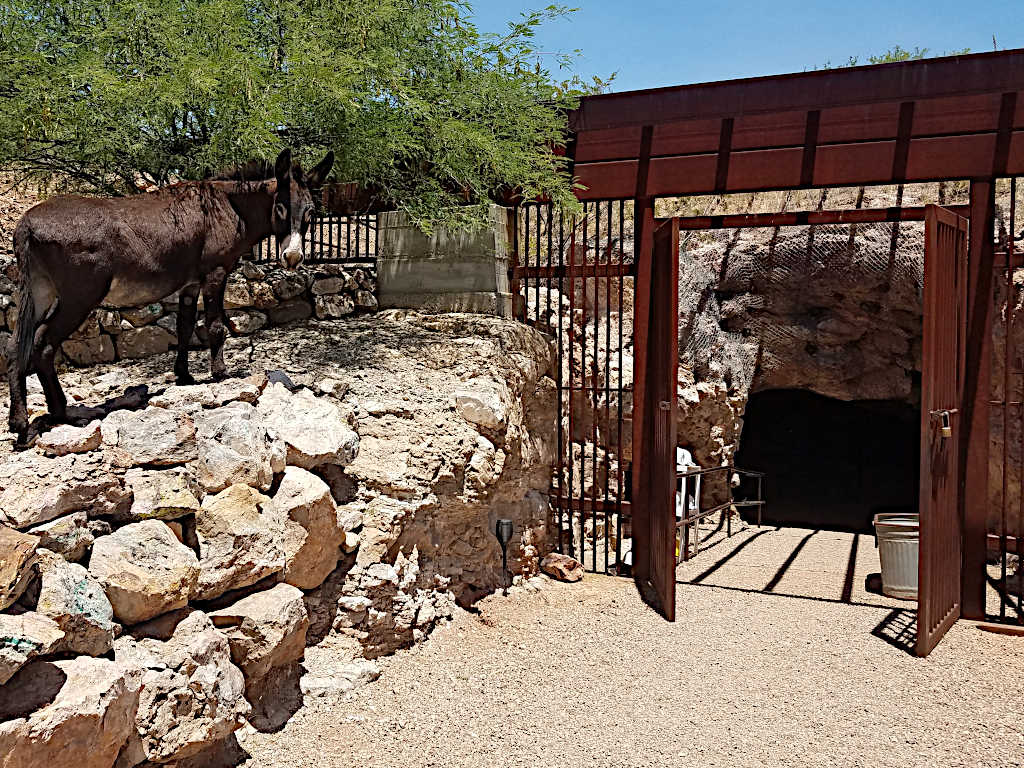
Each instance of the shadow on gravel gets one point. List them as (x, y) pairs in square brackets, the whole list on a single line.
[(898, 629)]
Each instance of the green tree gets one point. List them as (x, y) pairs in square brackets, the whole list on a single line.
[(110, 95)]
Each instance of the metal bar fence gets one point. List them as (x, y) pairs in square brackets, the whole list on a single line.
[(332, 238)]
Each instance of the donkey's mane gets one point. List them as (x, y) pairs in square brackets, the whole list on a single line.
[(254, 170)]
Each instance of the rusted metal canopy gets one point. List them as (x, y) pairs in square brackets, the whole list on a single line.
[(927, 120)]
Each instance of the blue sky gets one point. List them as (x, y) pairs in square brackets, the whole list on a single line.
[(652, 43)]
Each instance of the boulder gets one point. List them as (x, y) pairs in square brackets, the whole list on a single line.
[(68, 536), (328, 285), (68, 714), (67, 438), (287, 285), (161, 494), (144, 342), (235, 447), (154, 436), (192, 695), (144, 315), (35, 488), (98, 349), (144, 570), (75, 601), (236, 292), (562, 567), (17, 563), (265, 630), (24, 636), (480, 402), (312, 538), (334, 306), (262, 296), (312, 427), (365, 300), (242, 322), (240, 541), (185, 397), (290, 311), (341, 680)]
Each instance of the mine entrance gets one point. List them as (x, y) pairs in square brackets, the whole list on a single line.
[(831, 464)]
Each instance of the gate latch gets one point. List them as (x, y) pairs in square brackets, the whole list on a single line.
[(665, 405), (944, 421)]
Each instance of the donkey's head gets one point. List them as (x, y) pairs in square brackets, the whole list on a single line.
[(293, 205)]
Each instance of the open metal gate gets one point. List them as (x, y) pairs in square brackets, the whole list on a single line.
[(945, 334)]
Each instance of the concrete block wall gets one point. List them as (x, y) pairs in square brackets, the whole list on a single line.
[(444, 271)]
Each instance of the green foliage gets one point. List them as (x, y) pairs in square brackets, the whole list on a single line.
[(108, 95), (894, 54)]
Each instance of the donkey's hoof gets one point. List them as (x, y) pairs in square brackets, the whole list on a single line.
[(184, 379), (24, 442)]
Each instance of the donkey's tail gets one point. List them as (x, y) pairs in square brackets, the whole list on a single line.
[(26, 301)]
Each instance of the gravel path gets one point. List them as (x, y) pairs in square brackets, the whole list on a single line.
[(763, 667)]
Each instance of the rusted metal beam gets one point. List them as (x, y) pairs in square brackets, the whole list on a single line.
[(576, 270), (975, 435), (803, 218)]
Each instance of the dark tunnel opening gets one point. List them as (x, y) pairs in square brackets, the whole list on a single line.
[(831, 464)]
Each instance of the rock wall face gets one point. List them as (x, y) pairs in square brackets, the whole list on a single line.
[(240, 546)]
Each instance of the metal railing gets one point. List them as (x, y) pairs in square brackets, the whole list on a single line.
[(332, 239), (692, 518)]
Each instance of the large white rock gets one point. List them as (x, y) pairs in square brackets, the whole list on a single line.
[(36, 488), (17, 560), (266, 630), (154, 436), (84, 713), (312, 537), (162, 494), (236, 447), (66, 438), (482, 402), (74, 599), (68, 536), (192, 695), (144, 570), (240, 541), (25, 636), (312, 427)]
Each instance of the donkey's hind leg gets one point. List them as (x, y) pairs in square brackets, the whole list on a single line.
[(186, 327), (213, 306)]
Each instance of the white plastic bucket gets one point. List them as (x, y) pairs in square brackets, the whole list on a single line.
[(898, 537)]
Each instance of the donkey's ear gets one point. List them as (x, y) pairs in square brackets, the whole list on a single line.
[(283, 166), (318, 175)]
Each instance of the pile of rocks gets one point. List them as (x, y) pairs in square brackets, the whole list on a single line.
[(153, 566), (256, 296)]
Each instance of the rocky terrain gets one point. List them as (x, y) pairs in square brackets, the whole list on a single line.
[(194, 560)]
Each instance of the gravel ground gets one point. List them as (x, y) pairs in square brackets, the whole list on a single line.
[(765, 666)]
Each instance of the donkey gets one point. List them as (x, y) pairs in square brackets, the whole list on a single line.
[(76, 253)]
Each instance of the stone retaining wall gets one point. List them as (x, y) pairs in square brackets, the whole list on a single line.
[(256, 296)]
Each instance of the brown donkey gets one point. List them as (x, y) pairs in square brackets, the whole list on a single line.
[(76, 253)]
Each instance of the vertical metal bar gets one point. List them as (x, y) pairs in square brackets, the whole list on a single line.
[(551, 226), (583, 385), (595, 462), (571, 341), (536, 282), (619, 476), (348, 237), (1011, 302), (560, 362), (1007, 382)]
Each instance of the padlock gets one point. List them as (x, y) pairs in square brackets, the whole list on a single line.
[(947, 430)]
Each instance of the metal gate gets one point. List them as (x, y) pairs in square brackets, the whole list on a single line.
[(945, 333), (572, 278), (654, 431)]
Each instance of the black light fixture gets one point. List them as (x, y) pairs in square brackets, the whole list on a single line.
[(503, 532)]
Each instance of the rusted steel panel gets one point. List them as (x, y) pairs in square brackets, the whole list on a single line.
[(603, 181), (974, 445), (778, 167), (576, 271), (688, 174), (776, 129), (846, 164), (691, 137), (859, 122), (927, 78), (803, 218), (952, 157), (608, 144), (960, 114), (942, 374)]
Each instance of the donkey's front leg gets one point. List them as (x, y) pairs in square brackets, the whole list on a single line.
[(213, 305), (186, 327)]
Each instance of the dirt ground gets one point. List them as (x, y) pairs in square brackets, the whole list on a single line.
[(778, 657)]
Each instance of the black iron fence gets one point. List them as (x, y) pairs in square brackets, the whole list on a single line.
[(332, 238)]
